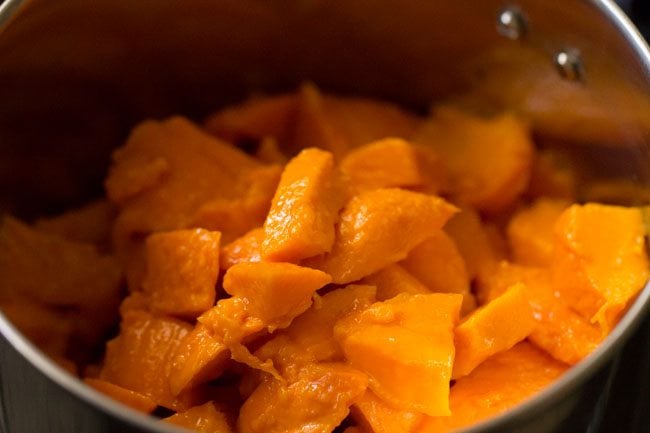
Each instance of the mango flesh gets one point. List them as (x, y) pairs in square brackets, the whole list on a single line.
[(293, 266), (405, 345), (364, 237)]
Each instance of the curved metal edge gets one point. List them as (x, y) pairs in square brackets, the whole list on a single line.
[(568, 383), (8, 10), (580, 373), (627, 29), (42, 362)]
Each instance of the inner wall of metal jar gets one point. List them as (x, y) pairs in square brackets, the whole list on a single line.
[(76, 75)]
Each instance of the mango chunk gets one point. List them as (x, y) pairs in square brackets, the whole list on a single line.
[(600, 262), (275, 292), (560, 331), (234, 217), (305, 207), (195, 168), (182, 271), (247, 248), (47, 328), (437, 263), (134, 400), (199, 357), (530, 232), (339, 124), (393, 280), (500, 383), (489, 160), (256, 118), (393, 162), (55, 271), (140, 357), (313, 330), (325, 392), (480, 256), (493, 328), (405, 345), (365, 240), (378, 417), (202, 419), (90, 223)]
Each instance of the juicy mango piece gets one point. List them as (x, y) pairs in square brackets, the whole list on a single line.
[(489, 160), (301, 221), (313, 330), (339, 124), (473, 242), (199, 357), (47, 328), (393, 162), (188, 160), (274, 292), (255, 119), (202, 419), (55, 271), (365, 237), (134, 400), (247, 248), (437, 263), (393, 280), (405, 345), (530, 232), (493, 328), (140, 357), (500, 383), (90, 223), (182, 271), (234, 217), (560, 331), (600, 262), (378, 417), (325, 392)]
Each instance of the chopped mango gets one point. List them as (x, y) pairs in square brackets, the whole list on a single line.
[(365, 240), (182, 271), (201, 419), (274, 292), (437, 263), (313, 330), (393, 162), (139, 358), (339, 124), (379, 417), (247, 248), (500, 383), (325, 392), (560, 331), (493, 328), (405, 345), (305, 207), (134, 400), (489, 160), (256, 119), (393, 280), (601, 261), (199, 357), (530, 232)]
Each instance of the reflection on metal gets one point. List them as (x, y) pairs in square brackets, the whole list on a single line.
[(512, 23), (569, 64)]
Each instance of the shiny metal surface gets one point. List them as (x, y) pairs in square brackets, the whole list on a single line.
[(76, 75)]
